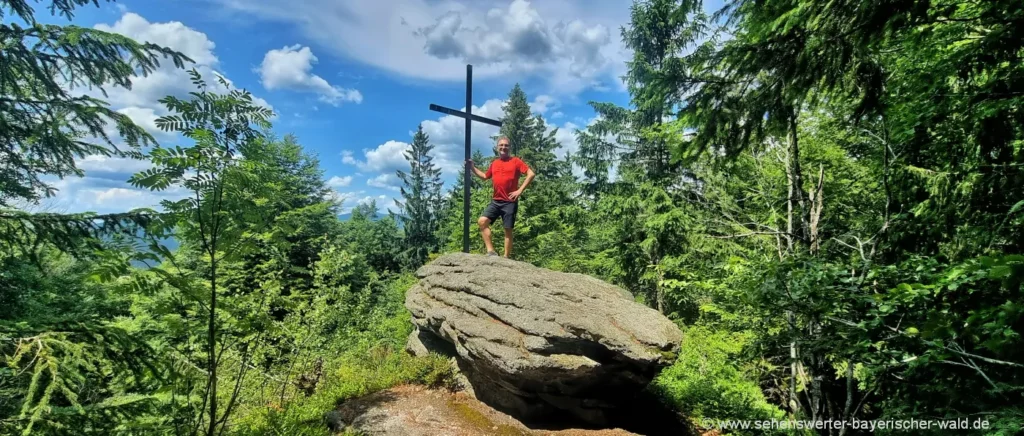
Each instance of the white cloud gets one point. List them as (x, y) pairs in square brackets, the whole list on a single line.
[(384, 181), (570, 45), (99, 164), (105, 194), (104, 187), (448, 135), (145, 117), (141, 101), (542, 103), (518, 34), (346, 157), (289, 68), (572, 54), (384, 203), (566, 136), (120, 196), (345, 200), (349, 200), (388, 156), (339, 182), (174, 34)]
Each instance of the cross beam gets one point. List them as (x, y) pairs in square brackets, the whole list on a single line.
[(462, 114), (469, 117)]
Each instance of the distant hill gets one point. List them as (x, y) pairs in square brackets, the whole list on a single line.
[(348, 216), (172, 244)]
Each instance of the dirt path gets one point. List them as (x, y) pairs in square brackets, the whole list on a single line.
[(412, 410)]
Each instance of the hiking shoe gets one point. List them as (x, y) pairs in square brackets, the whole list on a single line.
[(491, 253)]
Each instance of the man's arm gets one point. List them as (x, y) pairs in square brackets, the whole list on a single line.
[(529, 178), (476, 170)]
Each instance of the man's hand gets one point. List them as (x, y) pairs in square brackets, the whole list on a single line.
[(480, 174), (529, 177)]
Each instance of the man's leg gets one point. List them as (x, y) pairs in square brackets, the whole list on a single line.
[(491, 212), (508, 221), (485, 230), (508, 242)]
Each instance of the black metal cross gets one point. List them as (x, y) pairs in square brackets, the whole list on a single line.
[(469, 117)]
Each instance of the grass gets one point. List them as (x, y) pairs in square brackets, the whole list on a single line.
[(352, 375)]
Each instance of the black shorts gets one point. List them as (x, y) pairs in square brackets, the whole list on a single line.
[(505, 209)]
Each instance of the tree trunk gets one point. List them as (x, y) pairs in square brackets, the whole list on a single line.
[(658, 293), (847, 407), (794, 214), (794, 402), (211, 345), (797, 205), (815, 212)]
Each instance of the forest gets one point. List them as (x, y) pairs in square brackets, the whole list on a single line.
[(827, 197)]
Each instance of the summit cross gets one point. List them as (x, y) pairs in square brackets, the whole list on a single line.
[(469, 117)]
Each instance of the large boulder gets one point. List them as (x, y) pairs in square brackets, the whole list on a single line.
[(538, 344)]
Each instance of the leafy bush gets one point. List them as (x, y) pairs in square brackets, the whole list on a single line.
[(705, 383), (359, 371)]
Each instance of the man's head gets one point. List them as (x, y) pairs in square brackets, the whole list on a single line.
[(504, 147)]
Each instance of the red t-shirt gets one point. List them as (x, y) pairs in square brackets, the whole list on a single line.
[(504, 174)]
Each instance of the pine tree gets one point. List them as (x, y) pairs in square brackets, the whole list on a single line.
[(600, 145), (421, 193), (45, 126), (450, 232), (535, 145), (652, 36), (516, 124)]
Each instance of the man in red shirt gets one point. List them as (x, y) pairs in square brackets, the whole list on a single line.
[(504, 173)]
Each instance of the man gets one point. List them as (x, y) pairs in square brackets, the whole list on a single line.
[(504, 173)]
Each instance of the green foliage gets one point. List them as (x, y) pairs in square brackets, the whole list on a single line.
[(517, 124), (357, 373), (227, 203), (68, 362), (653, 34), (952, 324), (827, 196), (47, 121), (360, 335), (538, 216), (366, 228), (421, 192), (450, 231), (706, 385), (44, 124), (30, 235), (602, 144)]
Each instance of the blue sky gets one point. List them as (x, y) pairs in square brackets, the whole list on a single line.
[(353, 78)]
